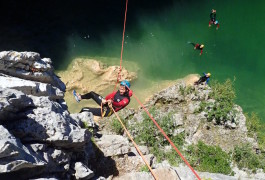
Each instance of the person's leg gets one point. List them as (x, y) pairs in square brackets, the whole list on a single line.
[(92, 95), (94, 111), (200, 80), (106, 111), (193, 44)]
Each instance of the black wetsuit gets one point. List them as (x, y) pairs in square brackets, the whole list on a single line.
[(213, 16), (203, 79)]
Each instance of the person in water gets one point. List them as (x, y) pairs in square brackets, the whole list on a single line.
[(118, 100), (212, 17), (215, 23), (205, 78), (197, 46)]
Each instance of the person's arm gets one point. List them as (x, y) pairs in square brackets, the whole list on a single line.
[(218, 26), (207, 80), (201, 52), (121, 104), (196, 46)]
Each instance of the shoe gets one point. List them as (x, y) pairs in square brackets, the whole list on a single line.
[(77, 98)]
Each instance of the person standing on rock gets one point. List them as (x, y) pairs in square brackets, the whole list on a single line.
[(118, 100), (205, 78)]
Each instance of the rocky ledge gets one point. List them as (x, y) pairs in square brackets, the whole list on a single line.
[(40, 139)]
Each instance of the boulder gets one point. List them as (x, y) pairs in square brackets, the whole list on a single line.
[(113, 145), (144, 150), (14, 156), (29, 66), (13, 103), (31, 87), (82, 171)]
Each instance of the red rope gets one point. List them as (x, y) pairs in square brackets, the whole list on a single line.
[(122, 43), (135, 145), (171, 143), (161, 130)]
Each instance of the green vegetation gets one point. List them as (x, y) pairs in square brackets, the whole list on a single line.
[(144, 169), (255, 129), (148, 134), (222, 107), (209, 158), (90, 129), (186, 90), (117, 127), (224, 95), (246, 158)]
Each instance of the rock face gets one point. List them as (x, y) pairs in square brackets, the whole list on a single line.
[(112, 145), (40, 139), (182, 102), (38, 136)]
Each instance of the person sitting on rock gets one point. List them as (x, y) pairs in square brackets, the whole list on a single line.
[(118, 100), (205, 78)]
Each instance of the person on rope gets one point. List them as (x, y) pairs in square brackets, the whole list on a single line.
[(118, 100), (205, 78), (212, 17), (197, 46)]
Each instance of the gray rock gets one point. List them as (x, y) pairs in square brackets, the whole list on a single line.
[(84, 119), (113, 145), (48, 122), (144, 150), (178, 119), (135, 176), (137, 161), (82, 171), (14, 156), (31, 87), (29, 65), (12, 104)]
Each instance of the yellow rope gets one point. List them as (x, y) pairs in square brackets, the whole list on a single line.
[(138, 150)]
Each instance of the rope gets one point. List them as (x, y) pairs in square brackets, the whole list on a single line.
[(171, 143), (122, 43), (135, 145), (161, 130)]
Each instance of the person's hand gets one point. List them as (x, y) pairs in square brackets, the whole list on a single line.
[(104, 101), (194, 47), (200, 54), (109, 103)]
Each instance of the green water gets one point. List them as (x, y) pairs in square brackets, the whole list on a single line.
[(158, 42)]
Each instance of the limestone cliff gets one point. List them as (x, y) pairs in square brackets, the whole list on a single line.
[(41, 139)]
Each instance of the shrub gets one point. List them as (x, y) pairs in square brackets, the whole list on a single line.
[(246, 158), (209, 158), (224, 95), (148, 134), (144, 169), (255, 128), (117, 127)]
